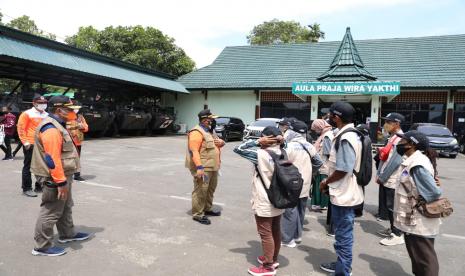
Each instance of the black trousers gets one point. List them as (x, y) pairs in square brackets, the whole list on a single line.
[(7, 147), (78, 148), (422, 254), (382, 209), (388, 198), (27, 178)]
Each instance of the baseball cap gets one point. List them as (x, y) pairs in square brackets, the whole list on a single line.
[(271, 131), (299, 127), (287, 121), (394, 117), (206, 113), (419, 139), (342, 109), (61, 101), (39, 99)]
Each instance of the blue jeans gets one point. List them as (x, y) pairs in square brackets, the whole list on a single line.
[(343, 222)]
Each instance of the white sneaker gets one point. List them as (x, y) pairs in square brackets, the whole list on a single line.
[(290, 244), (393, 240), (298, 240)]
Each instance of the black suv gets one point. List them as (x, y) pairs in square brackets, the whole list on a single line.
[(440, 138), (228, 128)]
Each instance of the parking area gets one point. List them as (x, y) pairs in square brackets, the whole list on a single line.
[(136, 202)]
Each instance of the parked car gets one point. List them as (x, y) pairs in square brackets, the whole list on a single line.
[(229, 128), (254, 130), (440, 138)]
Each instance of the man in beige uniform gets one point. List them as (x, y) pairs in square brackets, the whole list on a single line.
[(203, 161), (54, 161)]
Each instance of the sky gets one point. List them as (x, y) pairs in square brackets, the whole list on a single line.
[(203, 28)]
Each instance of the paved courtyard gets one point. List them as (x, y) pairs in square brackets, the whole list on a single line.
[(136, 202)]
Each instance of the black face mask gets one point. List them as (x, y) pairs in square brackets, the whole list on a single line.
[(332, 122), (213, 126), (401, 149)]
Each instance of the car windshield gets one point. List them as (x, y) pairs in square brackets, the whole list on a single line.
[(263, 123), (222, 121), (435, 131)]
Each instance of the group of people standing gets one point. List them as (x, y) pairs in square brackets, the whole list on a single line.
[(406, 174), (51, 133)]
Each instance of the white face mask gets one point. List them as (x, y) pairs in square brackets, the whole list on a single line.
[(76, 111), (41, 107)]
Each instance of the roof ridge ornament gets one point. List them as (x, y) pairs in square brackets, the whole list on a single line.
[(347, 64)]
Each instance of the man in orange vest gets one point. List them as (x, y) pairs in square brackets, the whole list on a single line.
[(27, 125), (77, 127), (54, 162), (203, 161)]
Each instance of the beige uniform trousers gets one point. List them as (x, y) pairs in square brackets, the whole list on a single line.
[(202, 195), (54, 211)]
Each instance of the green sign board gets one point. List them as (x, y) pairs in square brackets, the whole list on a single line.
[(346, 88)]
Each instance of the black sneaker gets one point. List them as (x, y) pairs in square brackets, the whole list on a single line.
[(329, 267), (213, 213), (78, 178), (202, 220)]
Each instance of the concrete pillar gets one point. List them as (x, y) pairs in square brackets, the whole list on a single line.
[(450, 110), (374, 117), (314, 108), (205, 102), (257, 104)]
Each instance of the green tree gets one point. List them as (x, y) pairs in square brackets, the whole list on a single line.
[(277, 31), (147, 47), (26, 24)]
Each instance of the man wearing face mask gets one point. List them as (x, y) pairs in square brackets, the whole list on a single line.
[(77, 127), (388, 175), (345, 193), (27, 125), (54, 161), (203, 161)]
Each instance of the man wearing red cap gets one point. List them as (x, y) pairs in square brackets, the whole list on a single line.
[(27, 125)]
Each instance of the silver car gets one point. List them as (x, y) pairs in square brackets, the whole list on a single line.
[(254, 130)]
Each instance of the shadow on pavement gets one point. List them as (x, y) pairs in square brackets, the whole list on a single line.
[(254, 250), (76, 245), (88, 176), (317, 256), (381, 266), (370, 227)]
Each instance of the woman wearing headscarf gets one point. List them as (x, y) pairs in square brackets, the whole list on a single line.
[(323, 146)]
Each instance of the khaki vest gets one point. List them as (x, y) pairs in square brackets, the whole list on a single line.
[(324, 169), (209, 153), (392, 181), (406, 217), (346, 192), (69, 155)]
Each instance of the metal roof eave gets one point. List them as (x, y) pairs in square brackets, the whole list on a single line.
[(178, 87)]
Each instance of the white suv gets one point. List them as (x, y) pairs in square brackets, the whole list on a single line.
[(254, 130)]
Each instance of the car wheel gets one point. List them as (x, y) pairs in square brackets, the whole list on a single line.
[(453, 156), (225, 136)]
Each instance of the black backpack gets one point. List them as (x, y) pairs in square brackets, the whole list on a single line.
[(366, 166), (286, 182)]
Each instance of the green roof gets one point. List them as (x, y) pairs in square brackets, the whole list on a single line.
[(418, 62), (347, 65), (23, 47)]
